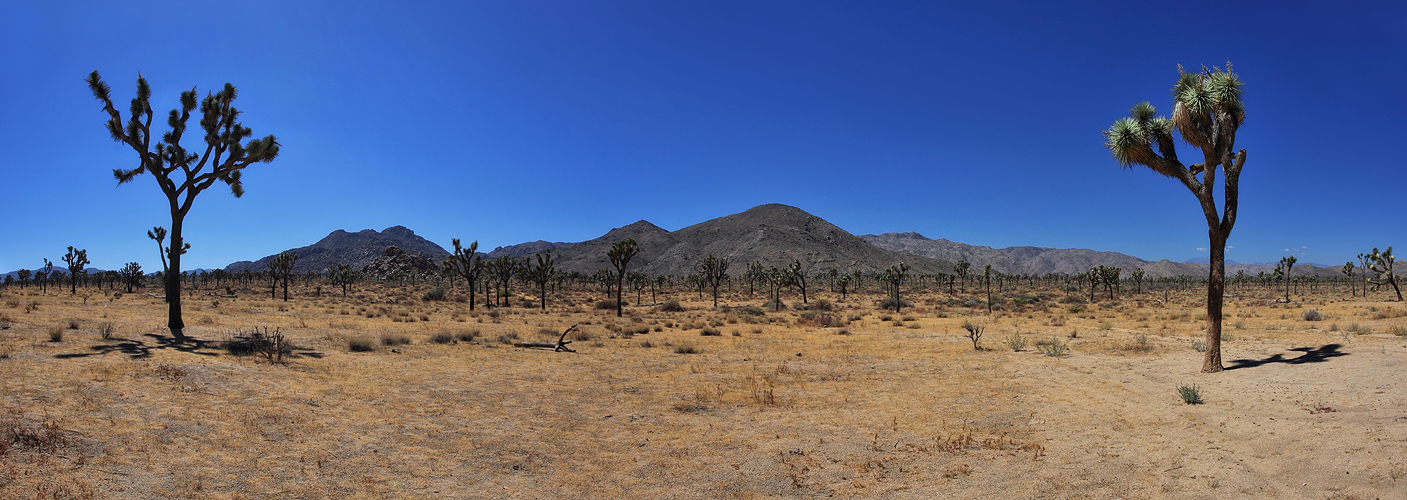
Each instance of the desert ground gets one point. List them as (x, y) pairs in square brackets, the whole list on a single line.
[(833, 398)]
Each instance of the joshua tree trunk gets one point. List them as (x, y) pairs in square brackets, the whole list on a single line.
[(1216, 287), (173, 275)]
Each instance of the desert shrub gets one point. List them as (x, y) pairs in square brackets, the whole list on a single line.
[(886, 317), (606, 304), (711, 332), (394, 339), (360, 344), (670, 305), (579, 335), (646, 344), (442, 338), (1057, 321), (821, 319), (105, 330), (1054, 348), (56, 333), (1399, 330), (467, 335), (1105, 325), (638, 330), (775, 305), (974, 333), (843, 331), (822, 305), (1334, 327), (1199, 345), (1357, 329), (1190, 394), (752, 311), (31, 306), (507, 338), (271, 345), (1016, 342), (890, 304), (1312, 315), (1140, 343), (1076, 309), (74, 323), (685, 349)]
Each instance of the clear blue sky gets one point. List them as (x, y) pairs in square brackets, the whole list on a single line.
[(506, 122)]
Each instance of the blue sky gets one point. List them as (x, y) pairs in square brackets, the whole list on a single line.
[(506, 122)]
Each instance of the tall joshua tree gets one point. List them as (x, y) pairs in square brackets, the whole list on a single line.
[(1287, 262), (345, 276), (541, 273), (713, 270), (620, 254), (1207, 111), (961, 268), (282, 268), (467, 263), (1381, 263), (77, 260), (1347, 270), (183, 174)]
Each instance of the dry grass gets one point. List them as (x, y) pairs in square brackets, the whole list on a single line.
[(661, 404)]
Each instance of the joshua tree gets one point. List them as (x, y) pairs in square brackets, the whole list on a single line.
[(541, 273), (755, 274), (893, 278), (43, 274), (282, 268), (620, 254), (1207, 111), (638, 281), (714, 270), (345, 276), (987, 278), (77, 261), (799, 277), (24, 275), (132, 275), (961, 268), (182, 174), (1347, 270), (1137, 276), (467, 263), (1288, 262), (503, 269), (1381, 263)]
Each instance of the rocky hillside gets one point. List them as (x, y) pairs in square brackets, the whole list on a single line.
[(357, 249), (397, 264), (774, 235)]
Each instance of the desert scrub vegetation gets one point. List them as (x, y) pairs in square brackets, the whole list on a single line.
[(1053, 348), (1190, 394)]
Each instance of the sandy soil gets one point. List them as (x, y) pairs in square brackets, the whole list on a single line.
[(773, 406)]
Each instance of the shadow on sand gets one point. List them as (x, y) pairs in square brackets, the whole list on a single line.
[(1311, 355), (140, 349)]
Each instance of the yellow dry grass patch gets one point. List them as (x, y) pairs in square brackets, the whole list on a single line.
[(892, 405)]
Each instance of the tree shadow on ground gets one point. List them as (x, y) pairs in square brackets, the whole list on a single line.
[(139, 349), (1311, 355)]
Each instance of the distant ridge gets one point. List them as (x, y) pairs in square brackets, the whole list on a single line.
[(357, 249), (1038, 260), (774, 235)]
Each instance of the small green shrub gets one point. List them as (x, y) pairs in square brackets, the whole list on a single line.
[(1399, 330), (1357, 329), (1076, 309), (1055, 348), (1190, 394), (435, 295), (1312, 315), (1016, 342), (1199, 346)]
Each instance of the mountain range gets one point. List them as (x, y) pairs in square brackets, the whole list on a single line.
[(358, 249)]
